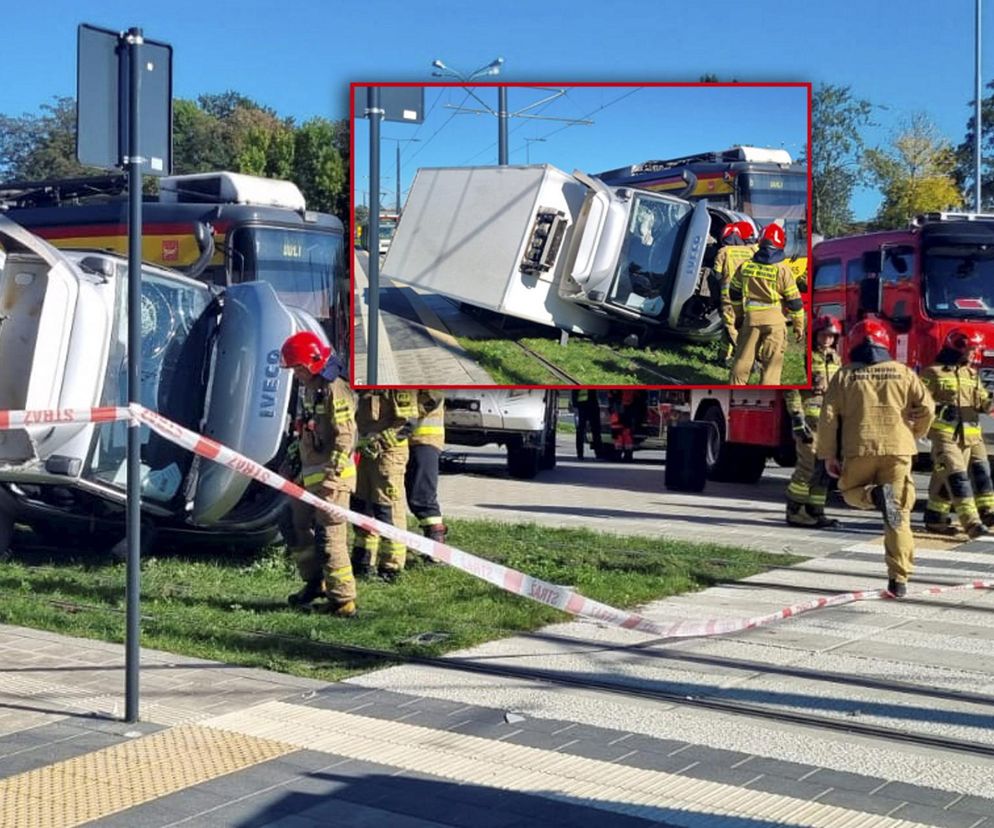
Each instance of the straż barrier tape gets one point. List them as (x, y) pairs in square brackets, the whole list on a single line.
[(511, 580)]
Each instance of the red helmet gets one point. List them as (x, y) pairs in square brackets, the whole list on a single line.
[(733, 228), (869, 330), (305, 348), (827, 323), (966, 340), (775, 235)]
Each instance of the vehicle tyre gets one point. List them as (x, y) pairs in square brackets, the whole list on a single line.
[(730, 462), (522, 461), (686, 456), (786, 456)]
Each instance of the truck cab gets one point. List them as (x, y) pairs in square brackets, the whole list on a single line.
[(921, 282)]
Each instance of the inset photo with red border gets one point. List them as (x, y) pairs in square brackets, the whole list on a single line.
[(580, 235)]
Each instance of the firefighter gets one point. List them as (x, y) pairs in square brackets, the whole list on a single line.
[(385, 420), (588, 415), (874, 411), (958, 450), (421, 478), (326, 438), (761, 286), (808, 487), (621, 405), (738, 241)]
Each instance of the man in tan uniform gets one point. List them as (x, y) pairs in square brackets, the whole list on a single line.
[(385, 420), (421, 478), (808, 487), (761, 287), (739, 245), (326, 434), (958, 450), (874, 411)]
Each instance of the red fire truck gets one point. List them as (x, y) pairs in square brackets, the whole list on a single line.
[(726, 434), (921, 282)]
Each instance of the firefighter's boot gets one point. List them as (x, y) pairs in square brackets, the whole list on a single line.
[(977, 530), (822, 521), (361, 566), (898, 589), (797, 515), (436, 532), (883, 498), (938, 523), (308, 594), (343, 609), (987, 517)]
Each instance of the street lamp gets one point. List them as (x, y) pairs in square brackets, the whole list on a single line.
[(492, 68), (400, 141), (528, 144)]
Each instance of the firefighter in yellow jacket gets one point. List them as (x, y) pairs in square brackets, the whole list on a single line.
[(326, 435), (385, 420), (958, 450), (739, 245), (421, 478), (761, 287), (808, 487), (874, 411)]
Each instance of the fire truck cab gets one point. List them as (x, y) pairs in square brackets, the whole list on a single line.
[(921, 282)]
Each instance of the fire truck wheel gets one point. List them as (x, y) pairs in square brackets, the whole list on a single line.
[(739, 463)]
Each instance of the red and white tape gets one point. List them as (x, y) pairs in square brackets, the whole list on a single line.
[(511, 580)]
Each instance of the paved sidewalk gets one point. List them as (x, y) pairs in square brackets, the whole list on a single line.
[(416, 747), (416, 341)]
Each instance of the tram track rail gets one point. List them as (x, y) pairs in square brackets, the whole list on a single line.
[(706, 702)]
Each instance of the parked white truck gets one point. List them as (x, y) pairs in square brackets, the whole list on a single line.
[(522, 419)]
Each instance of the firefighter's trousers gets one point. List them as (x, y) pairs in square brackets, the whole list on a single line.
[(950, 482), (421, 485), (980, 476), (763, 344), (320, 543), (808, 484), (380, 494), (860, 475)]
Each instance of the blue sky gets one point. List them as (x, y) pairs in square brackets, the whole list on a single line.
[(903, 57), (629, 125)]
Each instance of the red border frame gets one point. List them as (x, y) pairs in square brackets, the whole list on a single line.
[(491, 84)]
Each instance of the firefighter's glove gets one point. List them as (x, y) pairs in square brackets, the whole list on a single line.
[(802, 431), (369, 447), (798, 333)]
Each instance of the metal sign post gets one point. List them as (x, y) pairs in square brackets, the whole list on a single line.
[(375, 114), (404, 104), (124, 85)]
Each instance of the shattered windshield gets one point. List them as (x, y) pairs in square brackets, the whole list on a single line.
[(176, 322), (650, 254), (959, 281)]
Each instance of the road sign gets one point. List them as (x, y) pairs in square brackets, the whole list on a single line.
[(102, 94), (404, 104)]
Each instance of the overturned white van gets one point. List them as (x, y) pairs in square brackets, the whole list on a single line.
[(209, 361)]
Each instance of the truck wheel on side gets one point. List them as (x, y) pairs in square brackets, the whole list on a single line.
[(522, 461), (730, 462), (686, 456)]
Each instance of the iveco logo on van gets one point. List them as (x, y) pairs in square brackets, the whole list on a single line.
[(270, 385)]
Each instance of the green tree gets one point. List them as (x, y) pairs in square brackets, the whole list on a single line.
[(42, 146), (318, 168), (837, 122), (916, 175), (965, 162)]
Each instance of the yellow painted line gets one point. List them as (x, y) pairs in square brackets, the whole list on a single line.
[(103, 782), (500, 764)]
